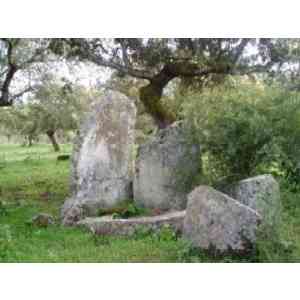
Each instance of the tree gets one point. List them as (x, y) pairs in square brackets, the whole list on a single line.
[(159, 61), (17, 121), (17, 56), (56, 107), (7, 123), (154, 60)]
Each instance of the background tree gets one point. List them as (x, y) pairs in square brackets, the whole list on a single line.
[(54, 107), (18, 56), (8, 126), (57, 107), (16, 122)]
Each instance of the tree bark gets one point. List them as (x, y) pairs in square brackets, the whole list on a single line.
[(12, 69), (52, 138), (151, 94)]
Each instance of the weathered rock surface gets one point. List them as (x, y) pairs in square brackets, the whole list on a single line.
[(214, 221), (125, 227), (165, 165), (73, 211), (260, 193), (102, 161)]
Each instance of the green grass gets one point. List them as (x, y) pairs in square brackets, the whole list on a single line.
[(32, 181), (34, 177)]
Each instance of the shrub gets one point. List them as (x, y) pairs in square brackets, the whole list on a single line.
[(127, 209), (166, 233), (3, 209), (5, 240), (245, 131)]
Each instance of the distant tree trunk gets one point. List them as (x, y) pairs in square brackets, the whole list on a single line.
[(30, 141), (51, 136)]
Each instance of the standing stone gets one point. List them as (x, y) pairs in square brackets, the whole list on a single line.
[(165, 166), (214, 221), (262, 194), (102, 161)]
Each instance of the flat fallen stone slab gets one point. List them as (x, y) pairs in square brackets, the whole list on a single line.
[(125, 227)]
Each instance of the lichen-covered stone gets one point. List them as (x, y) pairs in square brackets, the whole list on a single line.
[(102, 160), (42, 220), (214, 221), (125, 227), (166, 165), (260, 193), (72, 211)]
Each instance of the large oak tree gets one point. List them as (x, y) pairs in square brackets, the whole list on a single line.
[(158, 61), (155, 60)]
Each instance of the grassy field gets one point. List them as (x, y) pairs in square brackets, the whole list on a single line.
[(32, 181)]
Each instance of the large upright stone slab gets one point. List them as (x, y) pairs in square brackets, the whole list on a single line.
[(166, 165), (102, 162), (261, 193), (214, 221)]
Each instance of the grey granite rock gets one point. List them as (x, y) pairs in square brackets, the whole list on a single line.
[(260, 193), (166, 165), (102, 160), (214, 221)]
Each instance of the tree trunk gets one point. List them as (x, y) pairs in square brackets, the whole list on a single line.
[(51, 136), (151, 94), (29, 141)]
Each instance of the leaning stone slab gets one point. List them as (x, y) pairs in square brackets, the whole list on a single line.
[(214, 221), (260, 193), (102, 160), (126, 227), (165, 167)]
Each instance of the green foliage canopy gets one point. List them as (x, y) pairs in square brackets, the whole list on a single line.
[(246, 130)]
